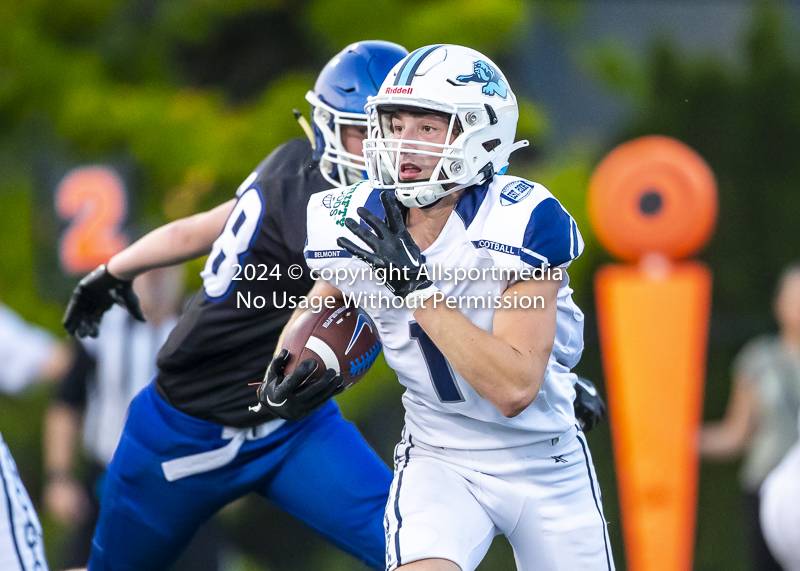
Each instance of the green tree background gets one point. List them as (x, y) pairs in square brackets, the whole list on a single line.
[(187, 96)]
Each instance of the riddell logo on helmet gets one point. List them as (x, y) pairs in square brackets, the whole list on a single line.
[(399, 90)]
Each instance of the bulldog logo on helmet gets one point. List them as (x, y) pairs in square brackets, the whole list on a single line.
[(485, 73)]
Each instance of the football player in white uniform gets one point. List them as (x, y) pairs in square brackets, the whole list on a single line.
[(484, 339), (28, 354)]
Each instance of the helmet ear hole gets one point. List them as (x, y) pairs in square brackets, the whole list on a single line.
[(491, 145), (323, 116)]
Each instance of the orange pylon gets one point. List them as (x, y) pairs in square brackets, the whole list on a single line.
[(653, 201)]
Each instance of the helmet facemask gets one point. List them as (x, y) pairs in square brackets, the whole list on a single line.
[(337, 165), (383, 153)]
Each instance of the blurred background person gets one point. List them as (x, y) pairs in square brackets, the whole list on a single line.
[(760, 422), (28, 354), (91, 405), (780, 516)]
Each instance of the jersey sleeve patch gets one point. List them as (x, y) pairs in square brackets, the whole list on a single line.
[(337, 202), (551, 237), (327, 212), (515, 192)]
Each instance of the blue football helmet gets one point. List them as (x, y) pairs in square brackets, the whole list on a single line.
[(338, 99)]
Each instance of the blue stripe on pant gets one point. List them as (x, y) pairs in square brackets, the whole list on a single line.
[(320, 470)]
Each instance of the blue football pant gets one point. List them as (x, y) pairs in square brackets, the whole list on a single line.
[(319, 469)]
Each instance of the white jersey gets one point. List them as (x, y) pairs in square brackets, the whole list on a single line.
[(125, 355), (507, 223)]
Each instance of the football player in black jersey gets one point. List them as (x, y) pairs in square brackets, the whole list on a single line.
[(191, 445)]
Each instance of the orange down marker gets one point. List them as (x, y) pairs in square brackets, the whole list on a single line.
[(653, 201)]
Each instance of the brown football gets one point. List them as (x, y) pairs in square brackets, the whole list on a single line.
[(341, 338)]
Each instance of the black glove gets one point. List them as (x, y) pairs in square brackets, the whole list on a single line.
[(94, 295), (589, 407), (290, 397), (392, 246)]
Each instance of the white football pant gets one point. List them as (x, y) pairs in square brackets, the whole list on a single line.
[(543, 497)]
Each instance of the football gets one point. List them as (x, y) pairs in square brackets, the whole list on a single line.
[(340, 338)]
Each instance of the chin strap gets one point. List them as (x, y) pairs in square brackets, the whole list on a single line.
[(425, 196)]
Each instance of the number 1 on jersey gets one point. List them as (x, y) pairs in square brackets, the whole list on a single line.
[(442, 377)]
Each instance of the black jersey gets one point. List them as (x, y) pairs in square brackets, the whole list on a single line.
[(227, 335)]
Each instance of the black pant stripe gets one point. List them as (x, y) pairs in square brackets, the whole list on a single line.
[(596, 503), (397, 503), (6, 487)]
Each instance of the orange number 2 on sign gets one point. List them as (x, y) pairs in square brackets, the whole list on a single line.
[(94, 200)]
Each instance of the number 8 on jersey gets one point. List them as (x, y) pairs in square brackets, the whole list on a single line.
[(233, 244)]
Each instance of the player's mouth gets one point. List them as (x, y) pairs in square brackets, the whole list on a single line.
[(409, 171)]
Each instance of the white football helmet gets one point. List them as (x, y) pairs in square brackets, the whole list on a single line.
[(454, 80)]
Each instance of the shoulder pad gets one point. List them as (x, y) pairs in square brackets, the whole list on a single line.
[(288, 159), (520, 224)]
